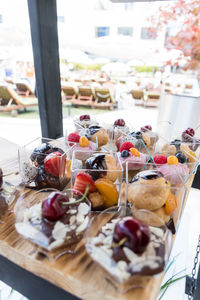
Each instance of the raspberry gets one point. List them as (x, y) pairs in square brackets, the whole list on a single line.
[(126, 146), (73, 137), (160, 159)]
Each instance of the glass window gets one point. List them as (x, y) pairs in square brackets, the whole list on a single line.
[(128, 6), (125, 31), (148, 33), (1, 18), (61, 19), (102, 31)]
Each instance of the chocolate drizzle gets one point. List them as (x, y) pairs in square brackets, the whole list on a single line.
[(147, 175), (97, 162), (93, 129)]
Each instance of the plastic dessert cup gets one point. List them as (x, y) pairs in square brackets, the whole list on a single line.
[(45, 163), (105, 173), (53, 238), (159, 197), (85, 123), (124, 268), (10, 187)]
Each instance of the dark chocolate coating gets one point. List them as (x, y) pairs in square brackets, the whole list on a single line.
[(45, 180), (170, 225), (38, 154), (136, 134), (147, 175), (96, 162), (93, 129)]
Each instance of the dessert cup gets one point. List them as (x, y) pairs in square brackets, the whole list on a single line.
[(45, 163), (124, 268), (52, 238), (104, 171), (10, 187), (151, 191), (84, 123)]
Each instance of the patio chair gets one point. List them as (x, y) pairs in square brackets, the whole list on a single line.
[(85, 97), (188, 86), (69, 93), (11, 101), (23, 89), (153, 99), (138, 96), (103, 99)]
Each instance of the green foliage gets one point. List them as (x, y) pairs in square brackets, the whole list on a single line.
[(147, 69), (93, 67)]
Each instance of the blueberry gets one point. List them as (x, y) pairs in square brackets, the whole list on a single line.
[(136, 134), (125, 153), (181, 157), (176, 143)]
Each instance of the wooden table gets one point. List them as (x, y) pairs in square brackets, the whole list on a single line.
[(76, 274)]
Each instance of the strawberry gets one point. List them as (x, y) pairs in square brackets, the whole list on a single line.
[(160, 159), (82, 181), (126, 146), (73, 137), (54, 164)]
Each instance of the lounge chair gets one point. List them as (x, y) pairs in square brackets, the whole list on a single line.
[(138, 96), (85, 97), (103, 99), (11, 101), (23, 89), (152, 100), (69, 93)]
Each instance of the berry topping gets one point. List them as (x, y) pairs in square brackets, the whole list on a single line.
[(181, 157), (188, 134), (136, 134), (52, 207), (82, 181), (84, 118), (126, 146), (136, 236), (73, 137), (176, 143), (125, 153), (119, 122), (172, 160), (170, 204), (54, 164), (146, 128), (108, 190), (135, 152), (1, 177), (160, 159), (83, 142)]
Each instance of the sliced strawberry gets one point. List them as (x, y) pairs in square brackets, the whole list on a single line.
[(82, 181), (126, 146), (54, 164), (73, 137)]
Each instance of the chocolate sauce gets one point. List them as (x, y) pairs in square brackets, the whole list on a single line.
[(147, 175), (93, 129), (96, 162)]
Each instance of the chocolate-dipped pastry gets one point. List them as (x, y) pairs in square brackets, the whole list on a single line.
[(105, 166), (39, 152)]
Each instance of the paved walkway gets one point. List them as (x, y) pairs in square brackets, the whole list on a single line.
[(22, 131)]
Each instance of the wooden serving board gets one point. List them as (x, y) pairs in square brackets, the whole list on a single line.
[(77, 273)]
